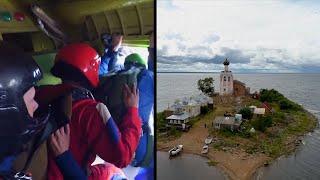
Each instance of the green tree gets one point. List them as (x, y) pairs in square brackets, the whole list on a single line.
[(206, 86), (246, 113), (160, 121), (270, 95), (262, 123)]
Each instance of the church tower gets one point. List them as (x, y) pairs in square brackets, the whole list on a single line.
[(226, 80)]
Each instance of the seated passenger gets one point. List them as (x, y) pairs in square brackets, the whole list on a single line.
[(92, 129)]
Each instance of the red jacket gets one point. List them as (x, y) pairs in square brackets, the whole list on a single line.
[(87, 131)]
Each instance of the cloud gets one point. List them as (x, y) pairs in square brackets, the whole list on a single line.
[(273, 36), (174, 36), (212, 38), (234, 55)]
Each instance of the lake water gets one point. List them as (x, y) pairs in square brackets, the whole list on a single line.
[(181, 168), (301, 88)]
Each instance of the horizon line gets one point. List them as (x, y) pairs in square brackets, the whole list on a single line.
[(207, 72)]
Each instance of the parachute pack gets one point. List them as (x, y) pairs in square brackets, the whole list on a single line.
[(110, 92)]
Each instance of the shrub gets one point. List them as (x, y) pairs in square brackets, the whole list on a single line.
[(262, 123), (204, 109), (270, 95), (285, 104), (245, 133), (246, 113), (173, 131), (227, 132), (161, 122), (245, 130), (160, 116)]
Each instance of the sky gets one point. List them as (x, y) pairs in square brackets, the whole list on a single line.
[(256, 36)]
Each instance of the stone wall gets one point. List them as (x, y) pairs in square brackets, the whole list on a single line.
[(239, 89)]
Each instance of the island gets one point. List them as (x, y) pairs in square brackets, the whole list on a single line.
[(248, 130)]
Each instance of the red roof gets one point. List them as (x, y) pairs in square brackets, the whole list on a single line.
[(266, 105)]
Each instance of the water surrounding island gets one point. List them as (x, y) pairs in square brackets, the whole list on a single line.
[(303, 89), (186, 167)]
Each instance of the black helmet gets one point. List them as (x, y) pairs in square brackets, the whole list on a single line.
[(18, 73)]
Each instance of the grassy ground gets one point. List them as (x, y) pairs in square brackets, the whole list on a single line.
[(279, 139)]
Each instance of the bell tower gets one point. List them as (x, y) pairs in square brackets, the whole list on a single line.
[(226, 80)]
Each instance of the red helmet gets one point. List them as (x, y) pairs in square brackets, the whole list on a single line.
[(84, 58)]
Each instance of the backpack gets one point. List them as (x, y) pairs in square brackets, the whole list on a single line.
[(110, 92)]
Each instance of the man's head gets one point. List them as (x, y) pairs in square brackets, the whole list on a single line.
[(113, 41), (19, 73), (78, 63), (134, 60), (106, 40)]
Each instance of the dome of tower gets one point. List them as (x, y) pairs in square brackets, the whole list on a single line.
[(226, 62)]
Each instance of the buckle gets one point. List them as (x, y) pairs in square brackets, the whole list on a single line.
[(23, 176)]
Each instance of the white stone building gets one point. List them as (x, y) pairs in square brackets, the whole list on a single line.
[(226, 80)]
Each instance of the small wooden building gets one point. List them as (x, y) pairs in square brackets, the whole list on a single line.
[(227, 122), (258, 112), (179, 120)]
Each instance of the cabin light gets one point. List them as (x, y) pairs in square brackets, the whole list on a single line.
[(5, 16), (19, 16)]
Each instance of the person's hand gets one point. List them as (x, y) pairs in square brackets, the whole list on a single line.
[(116, 41), (131, 96), (60, 140)]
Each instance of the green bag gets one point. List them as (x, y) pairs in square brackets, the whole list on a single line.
[(110, 91)]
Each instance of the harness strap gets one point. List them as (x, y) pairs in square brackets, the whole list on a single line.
[(59, 117)]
